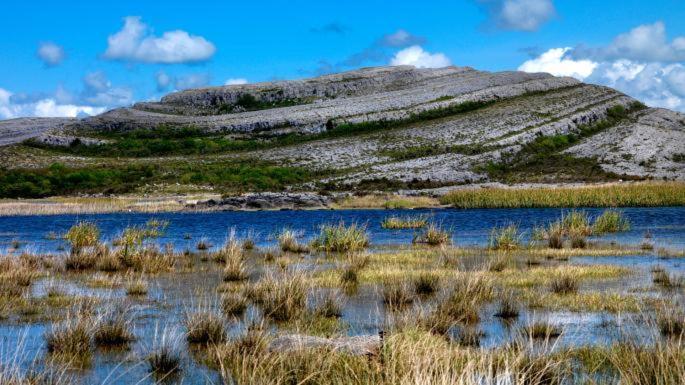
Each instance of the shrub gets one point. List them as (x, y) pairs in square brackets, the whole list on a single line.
[(82, 234)]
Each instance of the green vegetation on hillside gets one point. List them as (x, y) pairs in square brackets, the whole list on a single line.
[(224, 176), (542, 157)]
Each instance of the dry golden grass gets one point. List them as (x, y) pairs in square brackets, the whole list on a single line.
[(386, 202)]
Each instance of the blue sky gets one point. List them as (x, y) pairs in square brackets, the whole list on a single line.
[(67, 59)]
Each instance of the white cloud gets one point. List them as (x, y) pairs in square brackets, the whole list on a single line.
[(555, 63), (418, 57), (50, 53), (135, 43), (399, 39), (48, 107), (647, 43), (655, 84), (520, 15), (235, 81)]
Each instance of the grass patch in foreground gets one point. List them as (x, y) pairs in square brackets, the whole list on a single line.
[(618, 195)]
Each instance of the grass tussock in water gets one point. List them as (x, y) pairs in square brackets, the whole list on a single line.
[(611, 221), (287, 241), (619, 195), (342, 238), (433, 235), (204, 327), (505, 238), (282, 297), (406, 222)]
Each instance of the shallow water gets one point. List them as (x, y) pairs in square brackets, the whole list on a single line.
[(469, 227), (170, 296)]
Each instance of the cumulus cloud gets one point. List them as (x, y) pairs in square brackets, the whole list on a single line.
[(646, 42), (235, 81), (50, 54), (418, 57), (629, 65), (520, 15), (11, 108), (556, 63), (135, 43)]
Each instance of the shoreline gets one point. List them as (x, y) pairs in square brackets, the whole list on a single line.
[(492, 195)]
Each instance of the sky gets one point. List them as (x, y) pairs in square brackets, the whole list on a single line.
[(82, 58)]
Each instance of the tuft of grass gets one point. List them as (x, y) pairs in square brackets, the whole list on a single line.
[(564, 284), (407, 222), (113, 329), (287, 240), (505, 238), (426, 284), (282, 297), (165, 359), (397, 294), (71, 340), (610, 221), (137, 286), (330, 307), (508, 306), (576, 222), (578, 240), (671, 322), (615, 195), (203, 244), (233, 304), (543, 330), (204, 327), (342, 238), (668, 281), (433, 235)]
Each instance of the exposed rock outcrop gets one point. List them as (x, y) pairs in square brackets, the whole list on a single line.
[(265, 201)]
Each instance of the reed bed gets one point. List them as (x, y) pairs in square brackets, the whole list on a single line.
[(616, 195), (405, 222), (342, 238)]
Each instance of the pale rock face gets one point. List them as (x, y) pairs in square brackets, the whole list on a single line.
[(519, 108)]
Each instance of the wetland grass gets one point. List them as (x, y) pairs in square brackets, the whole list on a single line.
[(331, 306), (610, 221), (433, 235), (282, 297), (564, 284), (505, 238), (617, 195), (113, 330), (541, 330), (405, 222), (342, 238), (397, 294), (426, 284), (234, 304), (287, 241), (204, 327), (71, 341)]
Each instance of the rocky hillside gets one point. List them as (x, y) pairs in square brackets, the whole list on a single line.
[(375, 128)]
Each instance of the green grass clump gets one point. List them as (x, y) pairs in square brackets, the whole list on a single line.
[(505, 238), (433, 235), (281, 297), (407, 222), (618, 195), (564, 284), (611, 221), (71, 341), (576, 222), (342, 238)]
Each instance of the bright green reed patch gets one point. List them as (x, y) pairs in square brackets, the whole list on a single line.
[(628, 195)]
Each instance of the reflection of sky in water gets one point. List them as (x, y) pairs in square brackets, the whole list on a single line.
[(469, 227), (171, 296)]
